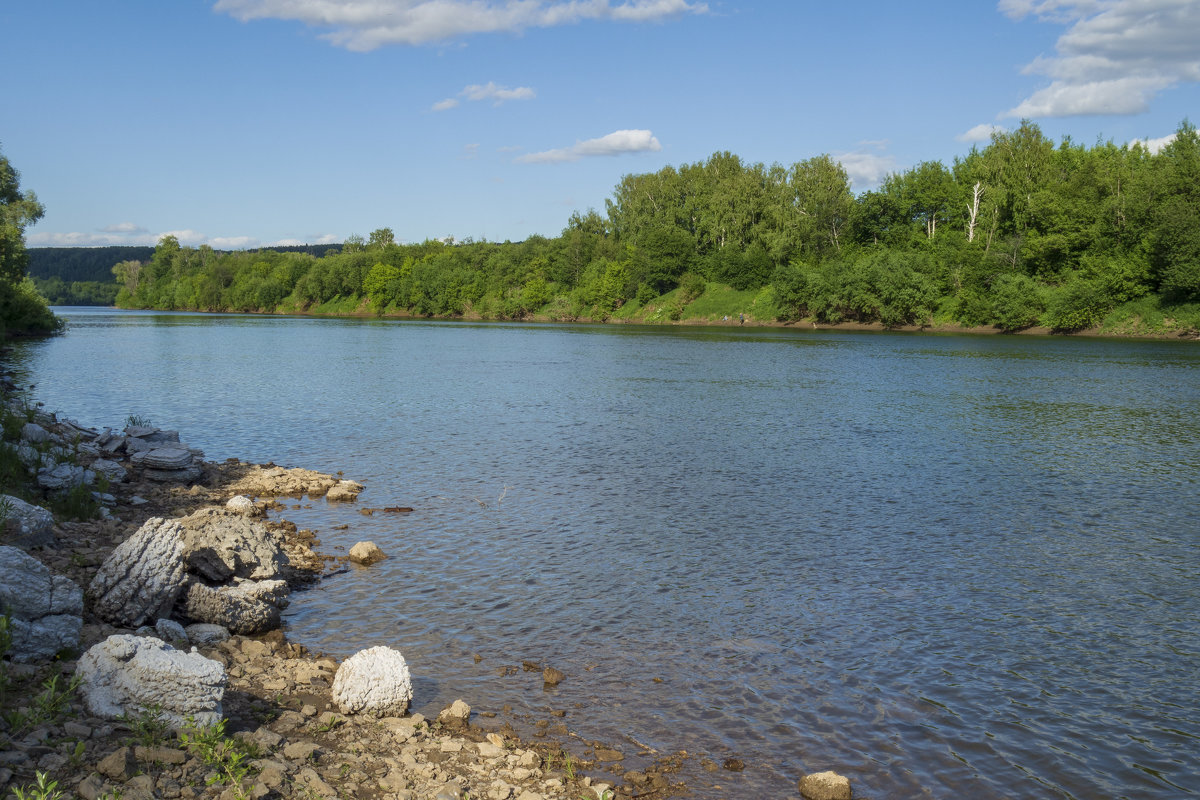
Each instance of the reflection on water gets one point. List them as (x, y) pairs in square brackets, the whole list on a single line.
[(941, 565)]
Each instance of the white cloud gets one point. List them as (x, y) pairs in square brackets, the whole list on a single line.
[(980, 133), (868, 166), (78, 239), (232, 242), (1115, 56), (613, 144), (142, 237), (124, 227), (470, 151), (498, 94), (489, 91), (1154, 145), (363, 25)]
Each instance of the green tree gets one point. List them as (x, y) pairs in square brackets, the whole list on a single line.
[(380, 239), (22, 309)]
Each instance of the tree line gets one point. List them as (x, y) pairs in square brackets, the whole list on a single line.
[(1021, 232)]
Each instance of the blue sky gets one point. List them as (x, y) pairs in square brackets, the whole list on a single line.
[(254, 122)]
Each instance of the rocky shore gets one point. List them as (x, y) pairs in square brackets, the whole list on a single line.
[(144, 655)]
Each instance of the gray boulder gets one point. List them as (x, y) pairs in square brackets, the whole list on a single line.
[(247, 608), (34, 433), (170, 631), (109, 469), (374, 681), (45, 610), (163, 458), (186, 475), (219, 545), (142, 577), (27, 525), (205, 634), (128, 674), (58, 477)]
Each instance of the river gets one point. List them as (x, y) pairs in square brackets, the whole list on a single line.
[(942, 565)]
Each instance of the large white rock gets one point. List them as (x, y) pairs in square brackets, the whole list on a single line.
[(219, 545), (128, 674), (247, 608), (373, 681), (142, 577), (45, 610)]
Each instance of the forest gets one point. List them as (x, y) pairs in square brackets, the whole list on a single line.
[(1022, 232)]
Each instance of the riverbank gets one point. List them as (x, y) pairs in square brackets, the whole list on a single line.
[(1118, 325), (284, 735)]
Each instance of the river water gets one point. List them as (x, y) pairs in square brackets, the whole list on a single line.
[(944, 566)]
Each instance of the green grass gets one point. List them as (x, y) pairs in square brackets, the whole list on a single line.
[(1149, 315), (338, 305), (720, 301)]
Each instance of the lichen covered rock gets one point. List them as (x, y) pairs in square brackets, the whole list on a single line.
[(373, 681)]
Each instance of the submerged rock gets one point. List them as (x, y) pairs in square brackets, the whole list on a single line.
[(344, 491), (825, 786), (366, 553)]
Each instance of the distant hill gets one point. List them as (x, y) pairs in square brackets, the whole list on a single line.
[(82, 263), (72, 264), (82, 276)]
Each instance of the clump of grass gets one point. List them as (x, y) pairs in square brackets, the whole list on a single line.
[(228, 758), (43, 789), (137, 421), (148, 726), (77, 502)]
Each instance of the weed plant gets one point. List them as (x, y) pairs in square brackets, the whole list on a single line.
[(148, 726), (43, 789), (228, 758)]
